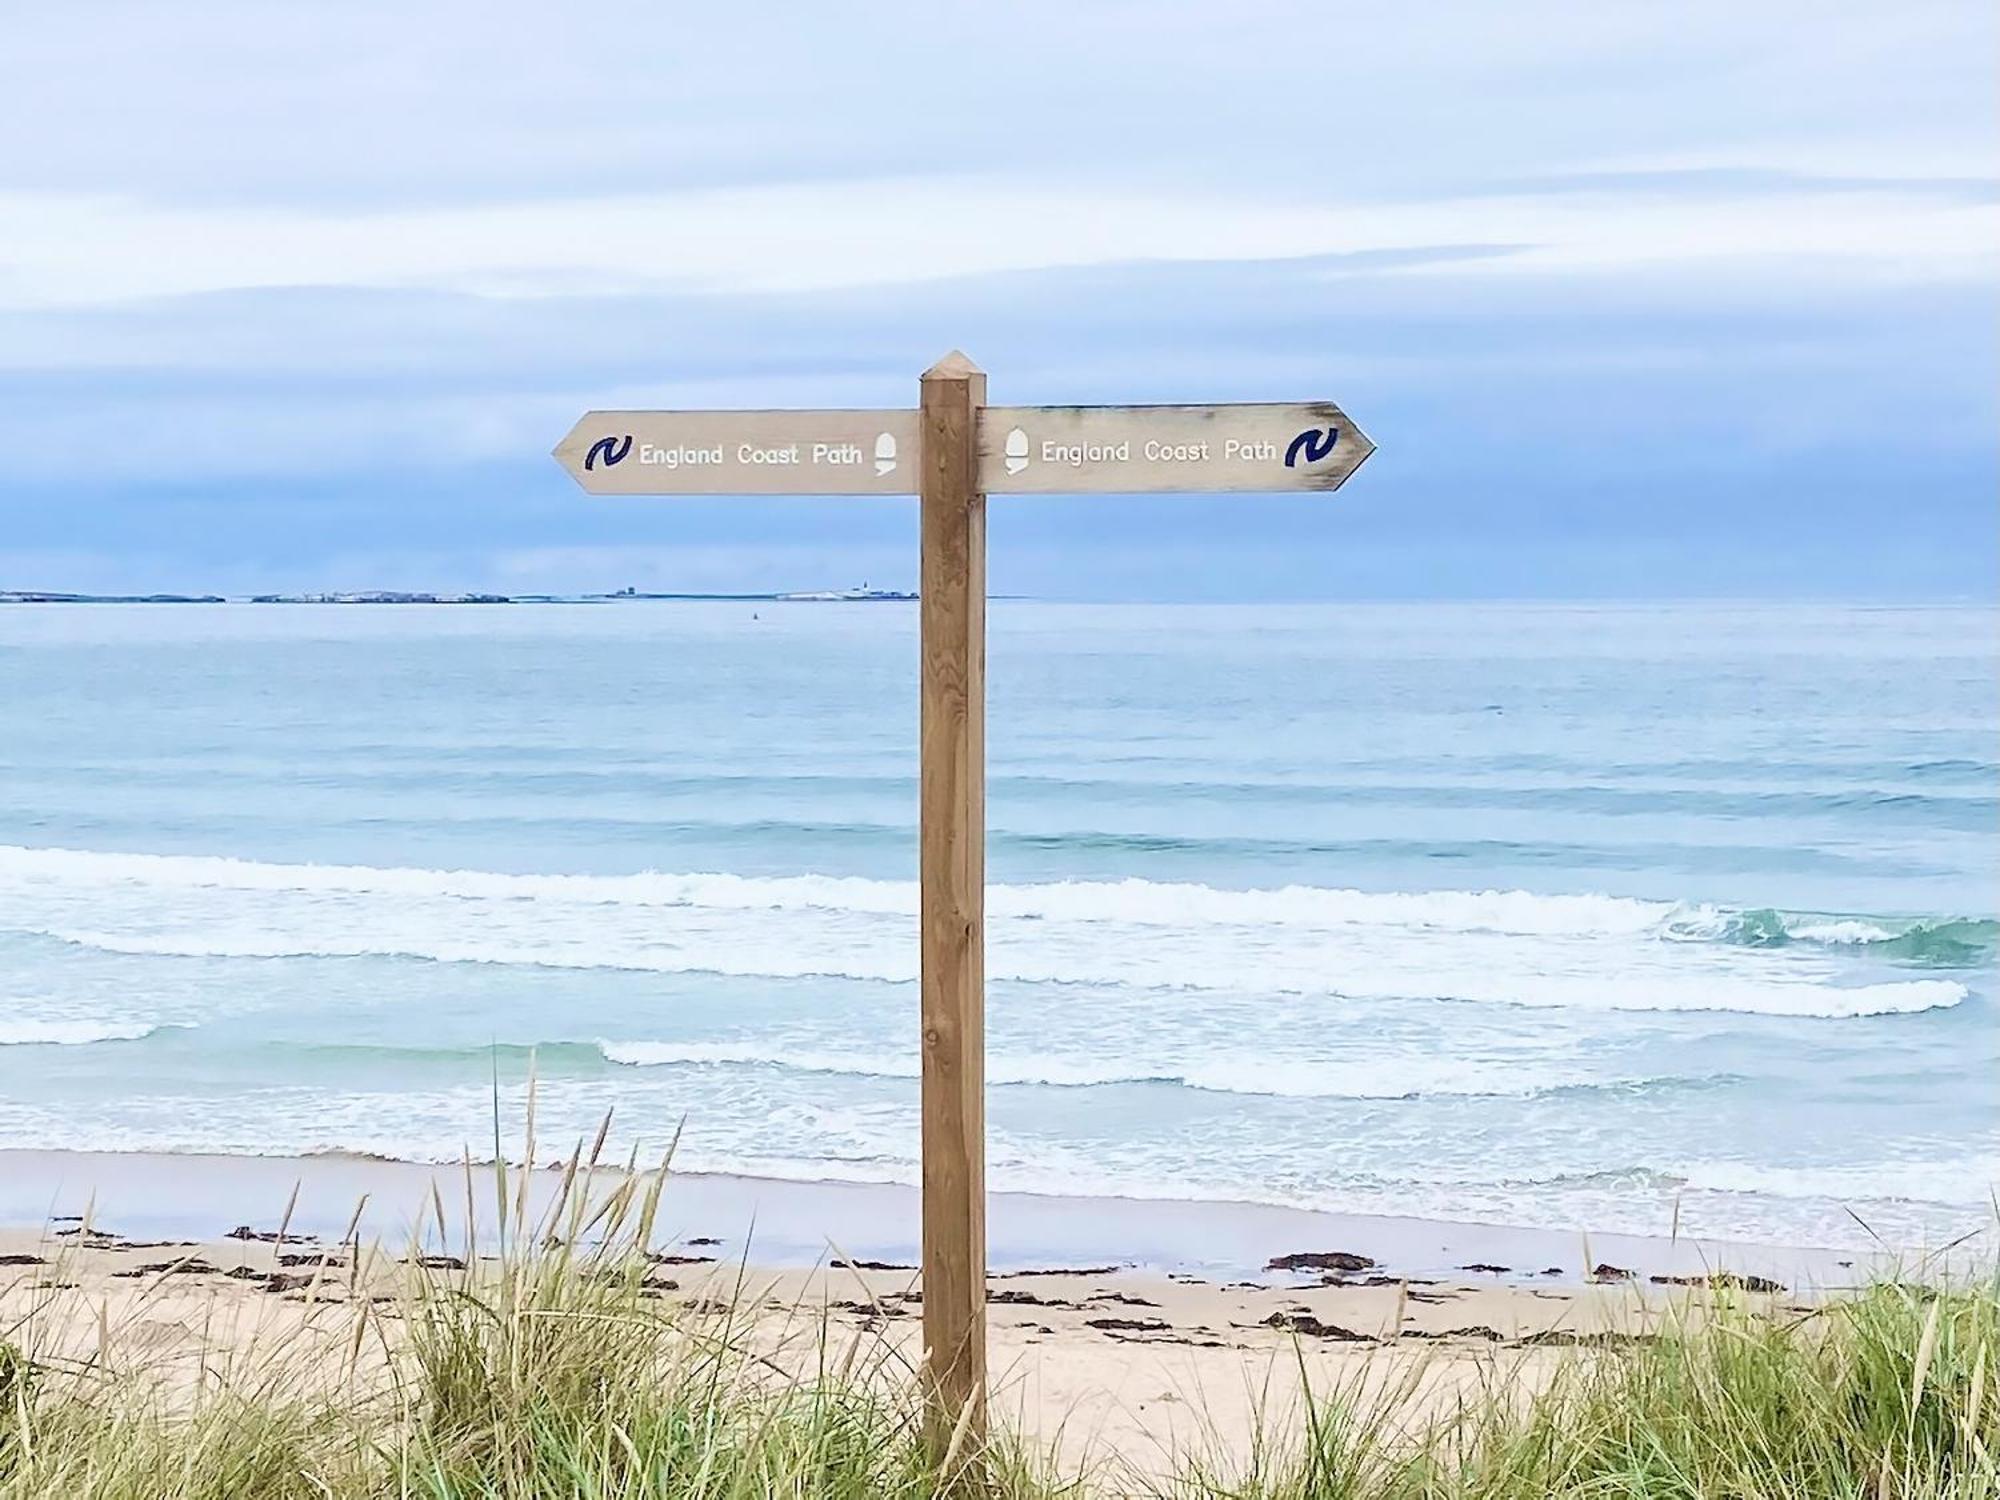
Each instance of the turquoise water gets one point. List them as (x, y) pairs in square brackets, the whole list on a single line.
[(1554, 915)]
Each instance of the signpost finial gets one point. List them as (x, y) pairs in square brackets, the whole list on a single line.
[(954, 366)]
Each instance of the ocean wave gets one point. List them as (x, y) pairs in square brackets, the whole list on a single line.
[(1134, 902), (1260, 1076), (1382, 1078), (1141, 902), (1271, 974), (1909, 1201), (1954, 942), (1133, 937), (72, 1033), (1959, 1181), (1955, 1180)]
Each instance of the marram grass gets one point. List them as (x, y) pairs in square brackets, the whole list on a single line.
[(555, 1371)]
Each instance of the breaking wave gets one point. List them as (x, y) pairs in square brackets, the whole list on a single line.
[(1264, 1076), (71, 1033), (1585, 952)]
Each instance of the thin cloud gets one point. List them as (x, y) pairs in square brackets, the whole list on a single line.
[(77, 250)]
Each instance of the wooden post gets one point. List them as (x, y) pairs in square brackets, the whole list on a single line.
[(952, 867), (1251, 447)]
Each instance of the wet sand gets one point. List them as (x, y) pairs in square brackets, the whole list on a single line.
[(801, 1224)]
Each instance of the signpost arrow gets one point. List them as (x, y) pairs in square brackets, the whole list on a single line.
[(953, 451), (1021, 450), (743, 452), (1159, 449)]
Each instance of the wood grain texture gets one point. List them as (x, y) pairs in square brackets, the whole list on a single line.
[(952, 858)]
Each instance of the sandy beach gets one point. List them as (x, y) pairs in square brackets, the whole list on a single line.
[(1126, 1329), (1092, 1362)]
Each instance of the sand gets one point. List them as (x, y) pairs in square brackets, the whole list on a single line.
[(1125, 1330), (1125, 1365)]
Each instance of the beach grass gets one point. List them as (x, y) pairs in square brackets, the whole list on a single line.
[(1884, 1393), (562, 1361), (553, 1374)]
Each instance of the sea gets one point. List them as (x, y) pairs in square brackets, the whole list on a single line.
[(1631, 917)]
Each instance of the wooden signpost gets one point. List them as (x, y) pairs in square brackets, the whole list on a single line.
[(953, 451)]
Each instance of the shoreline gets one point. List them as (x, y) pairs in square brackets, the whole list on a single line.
[(1120, 1330), (786, 1224)]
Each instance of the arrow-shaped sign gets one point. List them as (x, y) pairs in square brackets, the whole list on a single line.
[(743, 452), (1157, 449), (1022, 450)]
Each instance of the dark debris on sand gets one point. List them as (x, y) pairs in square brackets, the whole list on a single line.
[(1306, 1323), (1014, 1297), (191, 1266), (265, 1236), (1723, 1281), (1321, 1260)]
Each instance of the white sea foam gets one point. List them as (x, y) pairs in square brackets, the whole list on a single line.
[(1589, 953), (1477, 973), (1955, 1179), (1138, 902), (1376, 1078), (71, 1033), (786, 1134), (1835, 930)]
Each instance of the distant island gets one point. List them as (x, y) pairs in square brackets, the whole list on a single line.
[(36, 596), (862, 595)]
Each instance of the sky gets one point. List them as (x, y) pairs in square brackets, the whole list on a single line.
[(1636, 301)]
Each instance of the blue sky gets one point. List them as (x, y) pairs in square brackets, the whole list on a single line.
[(1635, 300)]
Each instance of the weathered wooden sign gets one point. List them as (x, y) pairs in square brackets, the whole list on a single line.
[(953, 451), (1022, 450), (743, 452), (1160, 449)]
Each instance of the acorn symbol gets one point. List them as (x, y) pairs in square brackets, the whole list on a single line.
[(885, 453), (1017, 451)]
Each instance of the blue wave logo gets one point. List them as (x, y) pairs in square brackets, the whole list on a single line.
[(613, 450), (1312, 445)]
